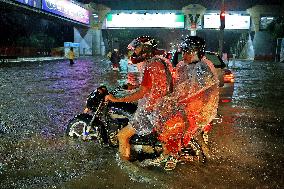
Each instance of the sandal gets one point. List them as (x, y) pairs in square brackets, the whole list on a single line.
[(183, 158), (205, 137), (170, 163)]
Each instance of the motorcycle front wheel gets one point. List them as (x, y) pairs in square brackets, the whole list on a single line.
[(80, 128)]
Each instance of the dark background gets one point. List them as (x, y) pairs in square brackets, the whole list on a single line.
[(35, 31)]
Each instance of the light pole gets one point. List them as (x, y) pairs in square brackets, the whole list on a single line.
[(222, 27)]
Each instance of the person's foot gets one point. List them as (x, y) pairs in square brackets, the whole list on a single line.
[(154, 162), (167, 162)]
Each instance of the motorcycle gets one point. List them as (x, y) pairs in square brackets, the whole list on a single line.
[(101, 121)]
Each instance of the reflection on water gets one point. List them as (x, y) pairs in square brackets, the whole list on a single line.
[(38, 99), (250, 50)]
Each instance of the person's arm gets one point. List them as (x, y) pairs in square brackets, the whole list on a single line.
[(130, 98), (145, 86)]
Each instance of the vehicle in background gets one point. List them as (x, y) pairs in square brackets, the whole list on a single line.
[(226, 77)]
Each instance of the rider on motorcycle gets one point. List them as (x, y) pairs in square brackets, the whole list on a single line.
[(156, 83), (194, 101)]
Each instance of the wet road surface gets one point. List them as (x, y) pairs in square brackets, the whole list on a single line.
[(38, 99)]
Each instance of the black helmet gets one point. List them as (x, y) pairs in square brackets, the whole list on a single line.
[(148, 48), (193, 43)]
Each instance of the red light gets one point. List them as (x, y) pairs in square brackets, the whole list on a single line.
[(222, 20), (229, 78), (226, 100)]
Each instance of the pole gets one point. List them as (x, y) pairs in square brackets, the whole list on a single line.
[(221, 33), (221, 41)]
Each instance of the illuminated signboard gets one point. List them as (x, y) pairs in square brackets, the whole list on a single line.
[(66, 9), (211, 21), (235, 21), (232, 21), (160, 20), (32, 3)]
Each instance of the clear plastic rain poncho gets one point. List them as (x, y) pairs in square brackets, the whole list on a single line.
[(193, 104), (159, 80)]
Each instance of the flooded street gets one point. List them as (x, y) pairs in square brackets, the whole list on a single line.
[(37, 100)]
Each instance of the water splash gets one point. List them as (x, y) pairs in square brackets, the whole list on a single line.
[(250, 50)]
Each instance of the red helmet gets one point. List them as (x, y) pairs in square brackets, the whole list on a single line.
[(148, 48)]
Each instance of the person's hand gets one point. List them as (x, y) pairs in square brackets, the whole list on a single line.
[(86, 110), (110, 97), (129, 86)]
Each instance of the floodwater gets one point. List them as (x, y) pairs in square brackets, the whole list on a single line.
[(37, 100)]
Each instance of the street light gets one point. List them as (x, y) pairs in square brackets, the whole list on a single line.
[(222, 27), (222, 20)]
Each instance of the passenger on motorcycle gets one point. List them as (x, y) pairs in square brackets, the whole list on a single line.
[(204, 80), (156, 83), (192, 105)]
